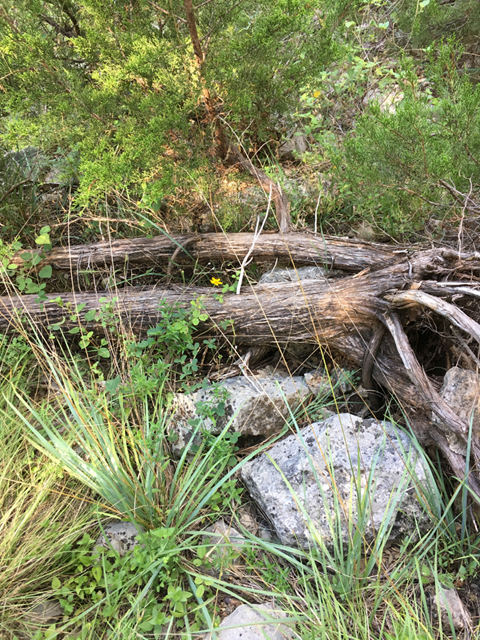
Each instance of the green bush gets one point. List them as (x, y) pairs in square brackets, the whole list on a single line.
[(119, 92), (391, 164)]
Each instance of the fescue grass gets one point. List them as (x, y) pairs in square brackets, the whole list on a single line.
[(42, 510)]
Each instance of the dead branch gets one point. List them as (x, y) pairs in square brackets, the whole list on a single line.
[(186, 250), (456, 316)]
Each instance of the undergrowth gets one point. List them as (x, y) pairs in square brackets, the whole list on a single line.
[(95, 448)]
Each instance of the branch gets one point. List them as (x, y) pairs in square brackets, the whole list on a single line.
[(162, 10), (443, 308), (64, 31), (256, 235), (423, 385), (15, 186)]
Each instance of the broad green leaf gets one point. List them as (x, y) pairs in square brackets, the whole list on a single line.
[(112, 385), (45, 272), (43, 238)]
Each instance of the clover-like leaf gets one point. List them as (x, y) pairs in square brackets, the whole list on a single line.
[(45, 272)]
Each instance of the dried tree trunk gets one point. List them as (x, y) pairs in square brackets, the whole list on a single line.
[(343, 315), (293, 248)]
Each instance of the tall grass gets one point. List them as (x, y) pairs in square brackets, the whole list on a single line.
[(42, 510), (87, 453)]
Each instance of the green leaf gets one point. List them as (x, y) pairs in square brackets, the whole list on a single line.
[(45, 229), (13, 266), (112, 385), (146, 626), (163, 532), (46, 272), (97, 573), (200, 591), (36, 260), (56, 327), (56, 584), (26, 256), (74, 331), (43, 238)]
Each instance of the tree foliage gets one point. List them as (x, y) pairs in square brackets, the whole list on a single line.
[(397, 160), (114, 86)]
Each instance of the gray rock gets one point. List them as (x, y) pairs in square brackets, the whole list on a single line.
[(46, 612), (294, 147), (27, 163), (293, 275), (246, 518), (348, 442), (461, 391), (225, 544), (337, 382), (255, 406), (451, 608), (120, 536), (386, 101), (54, 177), (250, 622)]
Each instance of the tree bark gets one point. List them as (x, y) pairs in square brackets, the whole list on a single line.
[(292, 248)]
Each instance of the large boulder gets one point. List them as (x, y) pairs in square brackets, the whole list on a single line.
[(297, 490), (256, 406)]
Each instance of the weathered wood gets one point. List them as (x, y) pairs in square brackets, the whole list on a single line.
[(340, 313), (296, 248)]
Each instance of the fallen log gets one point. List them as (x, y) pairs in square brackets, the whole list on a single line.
[(185, 250), (343, 315)]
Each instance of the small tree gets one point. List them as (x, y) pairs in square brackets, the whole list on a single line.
[(127, 90)]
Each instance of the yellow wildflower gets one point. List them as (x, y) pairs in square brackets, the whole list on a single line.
[(316, 94), (216, 281)]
